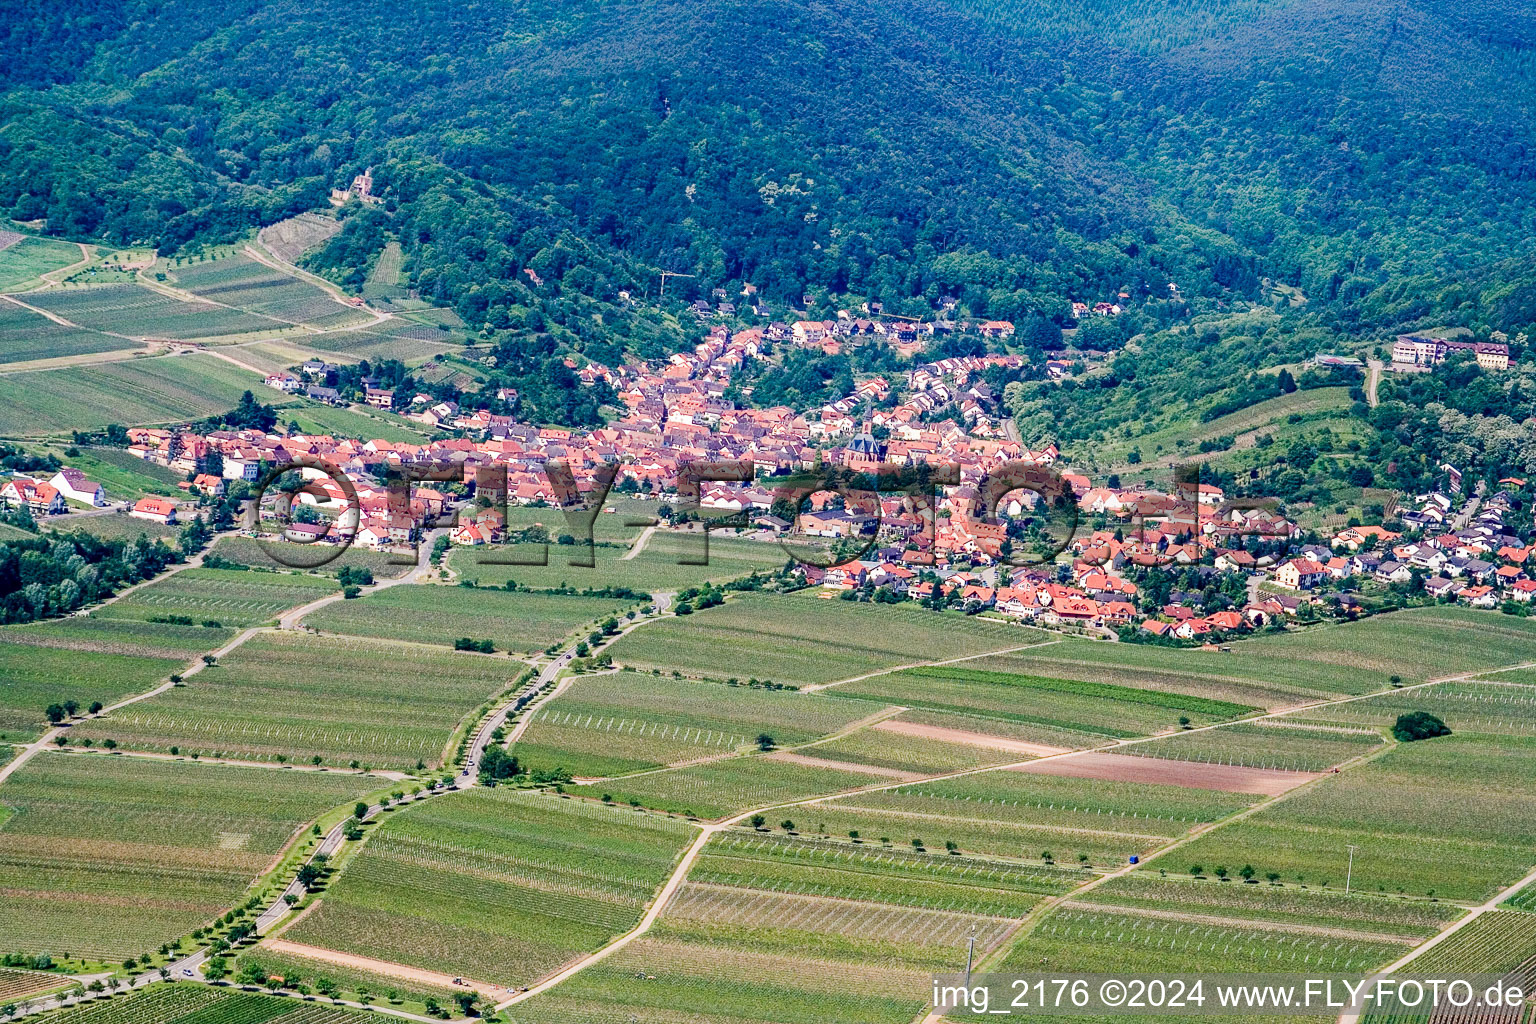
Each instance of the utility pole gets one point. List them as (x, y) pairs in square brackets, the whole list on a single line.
[(1350, 874), (970, 955)]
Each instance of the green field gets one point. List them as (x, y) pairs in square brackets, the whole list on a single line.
[(1280, 670), (627, 721), (111, 856), (23, 262), (1102, 709), (37, 676), (1386, 917), (653, 570), (201, 1004), (774, 863), (1264, 744), (112, 526), (1109, 940), (718, 789), (131, 392), (1498, 941), (248, 284), (1024, 816), (384, 278), (284, 694), (518, 621), (1184, 437), (140, 312), (19, 984), (98, 634), (25, 335), (497, 885), (231, 597), (800, 639), (898, 753), (776, 929), (1499, 705), (1453, 817), (317, 418), (247, 551)]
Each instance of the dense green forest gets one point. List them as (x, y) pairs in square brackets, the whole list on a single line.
[(1307, 175), (1374, 154)]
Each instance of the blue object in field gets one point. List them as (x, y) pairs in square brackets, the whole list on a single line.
[(1135, 860)]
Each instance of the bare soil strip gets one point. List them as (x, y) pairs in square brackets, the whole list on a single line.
[(1166, 772), (968, 738), (384, 967), (844, 766)]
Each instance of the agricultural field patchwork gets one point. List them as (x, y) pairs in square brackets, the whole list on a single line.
[(229, 597), (653, 570), (131, 392), (25, 258), (43, 668), (1271, 744), (772, 928), (1077, 823), (1071, 705), (289, 239), (1385, 917), (248, 284), (1294, 668), (718, 789), (25, 336), (627, 721), (498, 885), (1106, 939), (514, 621), (1499, 704), (200, 1004), (109, 857), (248, 551), (339, 699), (1450, 817), (139, 312), (103, 635), (800, 640)]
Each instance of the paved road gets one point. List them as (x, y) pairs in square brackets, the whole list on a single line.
[(291, 618)]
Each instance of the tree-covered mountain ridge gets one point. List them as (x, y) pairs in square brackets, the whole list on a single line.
[(1375, 155)]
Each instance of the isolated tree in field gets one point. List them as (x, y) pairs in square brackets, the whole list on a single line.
[(1221, 873), (1273, 876), (1247, 872), (951, 846), (1047, 856), (360, 809), (765, 741), (758, 821), (71, 708), (1418, 725), (55, 713), (96, 707), (1197, 870), (787, 825)]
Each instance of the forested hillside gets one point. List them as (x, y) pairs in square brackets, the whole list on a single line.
[(1374, 154)]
